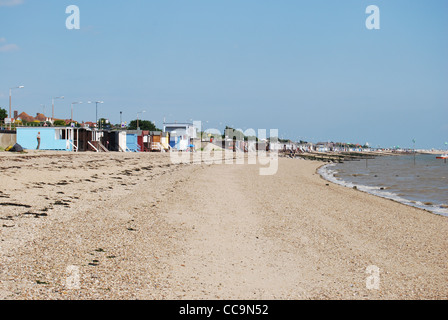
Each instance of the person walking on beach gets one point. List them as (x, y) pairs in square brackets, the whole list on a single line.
[(38, 141)]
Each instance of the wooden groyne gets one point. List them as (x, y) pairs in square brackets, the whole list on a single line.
[(330, 157)]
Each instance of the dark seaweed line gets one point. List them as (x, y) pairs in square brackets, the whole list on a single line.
[(8, 204)]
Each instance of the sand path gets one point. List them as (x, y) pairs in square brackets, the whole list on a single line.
[(295, 236)]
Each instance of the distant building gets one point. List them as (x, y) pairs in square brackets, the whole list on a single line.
[(39, 118), (26, 117)]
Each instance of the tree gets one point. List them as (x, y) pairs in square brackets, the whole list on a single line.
[(144, 125), (60, 123), (3, 114)]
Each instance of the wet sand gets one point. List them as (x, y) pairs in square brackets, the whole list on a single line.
[(136, 226)]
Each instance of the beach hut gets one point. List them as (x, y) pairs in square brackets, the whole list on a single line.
[(165, 141), (108, 140), (76, 139), (132, 142), (83, 139), (156, 141), (122, 141), (136, 140), (181, 135), (276, 146), (59, 139), (93, 140), (322, 147), (145, 141)]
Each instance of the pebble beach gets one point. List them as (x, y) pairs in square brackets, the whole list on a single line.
[(95, 226)]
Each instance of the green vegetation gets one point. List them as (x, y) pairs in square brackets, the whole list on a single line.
[(59, 123), (144, 125), (3, 114)]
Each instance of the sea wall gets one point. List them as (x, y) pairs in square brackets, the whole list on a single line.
[(7, 139)]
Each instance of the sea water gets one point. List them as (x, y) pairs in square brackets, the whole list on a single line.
[(420, 182)]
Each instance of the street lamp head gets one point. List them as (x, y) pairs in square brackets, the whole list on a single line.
[(21, 87)]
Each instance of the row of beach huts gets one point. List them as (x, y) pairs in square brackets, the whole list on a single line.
[(176, 136)]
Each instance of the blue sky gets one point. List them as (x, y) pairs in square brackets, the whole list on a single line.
[(308, 68)]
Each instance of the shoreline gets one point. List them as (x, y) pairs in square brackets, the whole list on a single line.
[(325, 175), (135, 226), (379, 196)]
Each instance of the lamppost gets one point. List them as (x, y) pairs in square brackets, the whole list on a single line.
[(10, 94), (138, 128), (52, 104), (121, 120), (96, 102), (71, 120)]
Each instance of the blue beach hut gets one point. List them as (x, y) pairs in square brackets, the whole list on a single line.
[(59, 139)]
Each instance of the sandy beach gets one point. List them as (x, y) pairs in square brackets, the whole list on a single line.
[(136, 226)]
